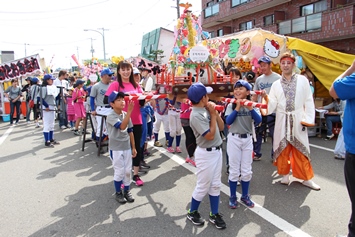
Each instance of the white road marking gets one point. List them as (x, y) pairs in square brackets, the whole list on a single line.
[(267, 215), (322, 148), (5, 135)]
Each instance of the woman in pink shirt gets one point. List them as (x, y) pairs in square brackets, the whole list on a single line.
[(79, 97), (126, 83)]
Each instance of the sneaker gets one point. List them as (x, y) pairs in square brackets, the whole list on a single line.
[(170, 149), (158, 144), (37, 125), (137, 180), (48, 144), (128, 196), (218, 221), (339, 157), (120, 198), (72, 129), (256, 157), (246, 200), (195, 218), (144, 165), (28, 122), (233, 203), (178, 150), (191, 161), (54, 142), (76, 132), (63, 127), (166, 143), (329, 137)]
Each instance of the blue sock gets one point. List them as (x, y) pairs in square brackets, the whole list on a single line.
[(46, 136), (171, 140), (194, 205), (233, 188), (126, 188), (71, 124), (245, 188), (167, 136), (156, 136), (117, 185), (214, 202), (178, 139), (50, 135)]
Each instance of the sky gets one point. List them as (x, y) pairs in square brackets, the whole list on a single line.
[(55, 29)]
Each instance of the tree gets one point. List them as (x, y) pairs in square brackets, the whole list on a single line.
[(156, 55)]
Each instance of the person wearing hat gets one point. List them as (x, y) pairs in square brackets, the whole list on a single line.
[(264, 82), (291, 99), (13, 94), (206, 124), (97, 104), (147, 80), (48, 94), (27, 89), (121, 144), (250, 78), (240, 120), (79, 97)]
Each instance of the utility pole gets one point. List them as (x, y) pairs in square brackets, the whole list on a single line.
[(103, 39), (26, 50), (92, 48), (178, 8)]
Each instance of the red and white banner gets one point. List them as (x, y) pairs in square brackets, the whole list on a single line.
[(23, 67)]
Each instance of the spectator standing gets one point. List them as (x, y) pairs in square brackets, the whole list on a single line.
[(343, 88), (13, 94), (70, 109), (62, 84), (147, 80), (35, 89), (27, 89), (161, 116), (79, 96), (190, 140), (264, 82), (126, 83)]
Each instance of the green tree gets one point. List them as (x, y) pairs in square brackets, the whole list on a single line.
[(156, 55)]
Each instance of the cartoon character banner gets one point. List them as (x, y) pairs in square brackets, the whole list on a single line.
[(245, 48), (20, 68)]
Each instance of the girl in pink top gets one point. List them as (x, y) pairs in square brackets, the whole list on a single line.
[(126, 83), (79, 96), (70, 109), (190, 140)]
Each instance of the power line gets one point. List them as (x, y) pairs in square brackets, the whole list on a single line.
[(54, 10)]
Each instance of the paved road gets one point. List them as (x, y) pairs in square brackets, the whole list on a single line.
[(64, 191)]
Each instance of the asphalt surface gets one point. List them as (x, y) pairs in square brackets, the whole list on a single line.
[(64, 191)]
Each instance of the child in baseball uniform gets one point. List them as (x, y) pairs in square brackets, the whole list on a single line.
[(121, 144), (206, 125), (174, 126), (49, 93), (241, 120)]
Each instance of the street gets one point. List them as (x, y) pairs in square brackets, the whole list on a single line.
[(64, 191)]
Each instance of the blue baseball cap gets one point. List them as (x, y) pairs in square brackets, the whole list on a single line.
[(34, 80), (106, 71), (243, 83), (198, 90), (48, 77), (114, 95), (264, 59)]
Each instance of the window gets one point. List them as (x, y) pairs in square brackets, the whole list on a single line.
[(220, 32), (269, 20), (211, 9), (212, 34), (238, 2), (246, 25), (314, 8)]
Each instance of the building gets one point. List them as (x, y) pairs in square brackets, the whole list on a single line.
[(158, 39), (7, 56), (330, 23)]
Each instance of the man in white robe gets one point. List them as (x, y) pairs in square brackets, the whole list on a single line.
[(291, 99)]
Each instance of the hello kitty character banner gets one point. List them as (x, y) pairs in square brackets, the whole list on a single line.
[(243, 49)]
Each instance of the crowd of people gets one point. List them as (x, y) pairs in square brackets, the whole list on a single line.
[(128, 125)]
